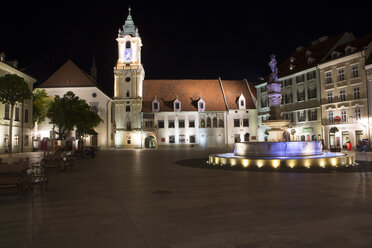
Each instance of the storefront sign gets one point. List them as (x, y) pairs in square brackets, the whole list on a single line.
[(308, 130)]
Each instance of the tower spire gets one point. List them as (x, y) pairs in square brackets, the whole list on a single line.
[(129, 28), (93, 69)]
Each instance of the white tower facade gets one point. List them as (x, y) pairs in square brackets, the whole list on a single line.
[(128, 82)]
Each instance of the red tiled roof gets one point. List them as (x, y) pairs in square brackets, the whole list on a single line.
[(233, 89), (189, 92), (69, 75), (319, 52)]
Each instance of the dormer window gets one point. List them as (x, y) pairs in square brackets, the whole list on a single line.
[(291, 59), (201, 105), (155, 105), (349, 50), (177, 105), (310, 60), (241, 101), (308, 54), (335, 55)]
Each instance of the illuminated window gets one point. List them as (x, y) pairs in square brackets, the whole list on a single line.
[(358, 115), (343, 116), (16, 140), (330, 117)]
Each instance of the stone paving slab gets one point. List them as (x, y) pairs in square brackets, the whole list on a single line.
[(144, 198)]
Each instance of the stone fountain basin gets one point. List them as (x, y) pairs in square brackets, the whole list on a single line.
[(278, 149)]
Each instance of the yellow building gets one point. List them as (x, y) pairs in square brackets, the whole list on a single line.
[(344, 94)]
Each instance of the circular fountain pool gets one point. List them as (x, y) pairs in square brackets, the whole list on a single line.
[(281, 154)]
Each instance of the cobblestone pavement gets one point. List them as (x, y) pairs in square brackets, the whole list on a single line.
[(144, 198)]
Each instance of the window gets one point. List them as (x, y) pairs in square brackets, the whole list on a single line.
[(127, 79), (236, 122), (6, 112), (181, 123), (129, 126), (192, 138), (16, 140), (355, 71), (312, 93), (245, 122), (94, 108), (171, 139), (127, 108), (313, 115), (128, 141), (263, 89), (343, 116), (300, 95), (264, 102), (202, 123), (300, 78), (148, 124), (161, 124), (356, 93), (25, 142), (288, 98), (311, 75), (330, 117), (94, 95), (201, 105), (26, 115), (246, 137), (16, 114), (127, 94), (342, 95), (349, 50), (220, 123), (328, 77), (214, 121), (301, 116), (155, 106), (209, 122), (127, 44), (341, 74), (358, 114), (171, 124), (330, 97), (288, 82), (177, 105), (181, 139), (191, 123)]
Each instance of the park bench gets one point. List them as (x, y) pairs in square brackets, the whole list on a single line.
[(79, 154), (38, 177), (53, 161)]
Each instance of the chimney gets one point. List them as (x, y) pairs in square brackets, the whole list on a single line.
[(2, 56), (93, 69)]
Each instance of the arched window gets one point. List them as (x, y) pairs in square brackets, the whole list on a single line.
[(214, 121), (209, 122), (220, 123), (127, 44), (302, 137), (313, 137), (202, 123), (127, 108), (127, 94)]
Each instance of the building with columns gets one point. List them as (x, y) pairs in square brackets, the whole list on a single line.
[(182, 112)]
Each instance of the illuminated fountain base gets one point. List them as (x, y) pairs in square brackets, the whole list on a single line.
[(281, 154)]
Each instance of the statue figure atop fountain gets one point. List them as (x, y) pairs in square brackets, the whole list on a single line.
[(276, 124)]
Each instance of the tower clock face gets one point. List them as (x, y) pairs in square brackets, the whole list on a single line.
[(128, 54)]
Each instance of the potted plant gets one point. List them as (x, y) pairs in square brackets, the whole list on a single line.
[(348, 145)]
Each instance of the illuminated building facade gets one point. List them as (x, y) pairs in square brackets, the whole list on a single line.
[(344, 93), (150, 113), (22, 114)]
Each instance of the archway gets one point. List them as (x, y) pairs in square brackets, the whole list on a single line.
[(150, 142)]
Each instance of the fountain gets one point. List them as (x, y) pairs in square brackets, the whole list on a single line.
[(279, 151)]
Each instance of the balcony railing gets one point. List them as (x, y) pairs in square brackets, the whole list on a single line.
[(348, 120)]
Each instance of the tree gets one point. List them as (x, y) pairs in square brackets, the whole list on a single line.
[(40, 105), (69, 112), (13, 89)]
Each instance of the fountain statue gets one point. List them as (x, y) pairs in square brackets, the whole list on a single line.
[(277, 125), (279, 151)]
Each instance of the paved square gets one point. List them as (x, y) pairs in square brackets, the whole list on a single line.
[(142, 198)]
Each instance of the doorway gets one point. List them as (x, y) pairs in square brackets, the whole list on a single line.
[(150, 142)]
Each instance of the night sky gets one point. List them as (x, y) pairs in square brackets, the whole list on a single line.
[(181, 39)]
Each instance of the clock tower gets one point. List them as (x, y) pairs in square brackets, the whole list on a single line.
[(128, 82)]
